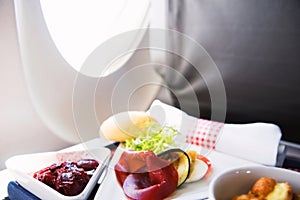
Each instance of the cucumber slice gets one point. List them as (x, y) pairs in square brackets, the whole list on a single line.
[(180, 161)]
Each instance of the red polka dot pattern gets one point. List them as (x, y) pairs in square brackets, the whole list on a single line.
[(204, 134)]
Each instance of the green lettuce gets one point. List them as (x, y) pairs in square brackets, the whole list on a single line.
[(154, 138)]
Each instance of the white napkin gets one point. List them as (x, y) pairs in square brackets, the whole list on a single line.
[(257, 142)]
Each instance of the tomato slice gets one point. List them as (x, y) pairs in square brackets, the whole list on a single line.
[(204, 159)]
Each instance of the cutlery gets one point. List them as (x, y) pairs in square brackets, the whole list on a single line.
[(112, 147)]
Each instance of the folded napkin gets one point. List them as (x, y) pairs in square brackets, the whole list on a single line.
[(257, 142)]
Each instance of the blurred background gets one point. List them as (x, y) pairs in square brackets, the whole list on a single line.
[(254, 44)]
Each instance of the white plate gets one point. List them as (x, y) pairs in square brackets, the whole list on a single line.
[(23, 167), (110, 189)]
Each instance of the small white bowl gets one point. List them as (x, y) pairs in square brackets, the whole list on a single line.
[(23, 166), (239, 181)]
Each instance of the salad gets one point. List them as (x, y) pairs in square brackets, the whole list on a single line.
[(155, 137)]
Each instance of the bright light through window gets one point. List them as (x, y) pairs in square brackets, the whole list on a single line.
[(77, 27)]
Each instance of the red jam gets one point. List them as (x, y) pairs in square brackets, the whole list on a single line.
[(68, 178)]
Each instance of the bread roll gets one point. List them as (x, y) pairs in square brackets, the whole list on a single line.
[(125, 125)]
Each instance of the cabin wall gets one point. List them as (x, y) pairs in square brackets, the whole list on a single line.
[(21, 130)]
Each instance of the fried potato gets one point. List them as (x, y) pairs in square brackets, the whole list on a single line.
[(268, 189)]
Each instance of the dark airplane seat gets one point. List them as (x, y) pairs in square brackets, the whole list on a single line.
[(256, 47)]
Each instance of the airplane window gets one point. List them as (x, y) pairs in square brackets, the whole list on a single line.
[(77, 27)]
